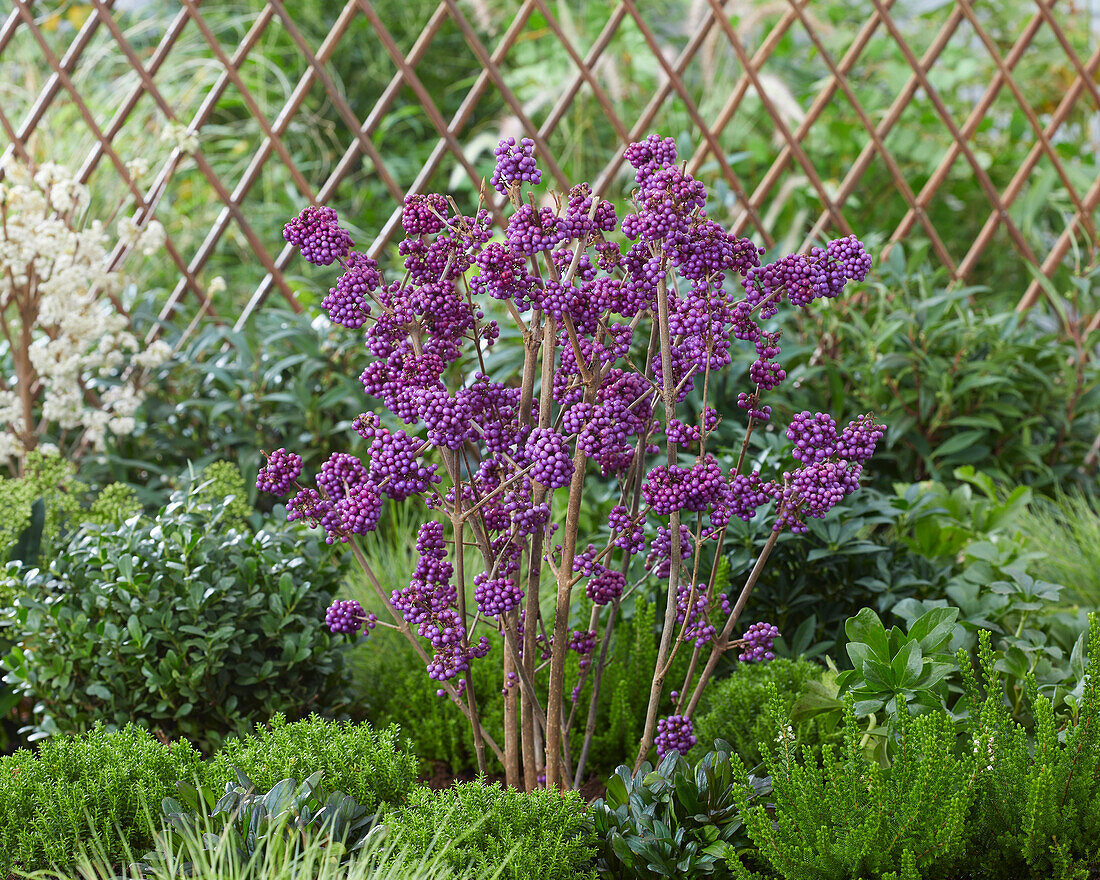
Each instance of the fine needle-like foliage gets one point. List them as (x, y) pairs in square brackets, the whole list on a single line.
[(994, 802), (848, 817), (1037, 800)]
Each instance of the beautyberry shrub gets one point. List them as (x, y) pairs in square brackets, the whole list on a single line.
[(620, 321)]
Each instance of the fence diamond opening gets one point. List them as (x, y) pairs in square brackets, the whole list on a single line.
[(973, 127)]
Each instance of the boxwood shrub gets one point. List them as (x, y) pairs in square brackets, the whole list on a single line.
[(179, 625)]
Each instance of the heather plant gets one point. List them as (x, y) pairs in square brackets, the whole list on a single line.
[(730, 708), (1037, 797), (367, 764), (615, 336), (970, 795), (68, 369), (178, 625), (71, 789), (846, 816), (539, 835)]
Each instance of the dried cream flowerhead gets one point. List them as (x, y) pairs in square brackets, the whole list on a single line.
[(76, 369)]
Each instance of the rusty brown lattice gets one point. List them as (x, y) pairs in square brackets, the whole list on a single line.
[(709, 101)]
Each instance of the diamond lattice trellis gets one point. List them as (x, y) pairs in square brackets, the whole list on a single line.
[(920, 95)]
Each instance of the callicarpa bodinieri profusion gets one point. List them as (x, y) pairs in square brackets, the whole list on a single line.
[(616, 334)]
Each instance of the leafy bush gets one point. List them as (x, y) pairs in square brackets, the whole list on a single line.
[(997, 581), (957, 385), (941, 521), (177, 625), (890, 669), (730, 708), (115, 780), (228, 394), (250, 823), (814, 582), (364, 763), (538, 835), (673, 821), (222, 485)]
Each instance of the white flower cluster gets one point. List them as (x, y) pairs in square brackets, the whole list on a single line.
[(65, 345), (983, 751)]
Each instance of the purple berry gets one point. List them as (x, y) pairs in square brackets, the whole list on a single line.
[(282, 469), (759, 638), (318, 235), (675, 733)]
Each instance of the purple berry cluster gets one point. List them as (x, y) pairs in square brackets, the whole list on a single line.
[(675, 733), (583, 641), (551, 460), (825, 477), (658, 561), (347, 617), (803, 278), (281, 470), (699, 628), (429, 604), (424, 214), (515, 163), (758, 640), (317, 233), (605, 587), (814, 436), (496, 595), (348, 303), (693, 489)]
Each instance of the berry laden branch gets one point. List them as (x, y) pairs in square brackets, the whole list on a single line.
[(620, 321)]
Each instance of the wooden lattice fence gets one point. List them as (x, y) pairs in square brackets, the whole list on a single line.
[(973, 127)]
